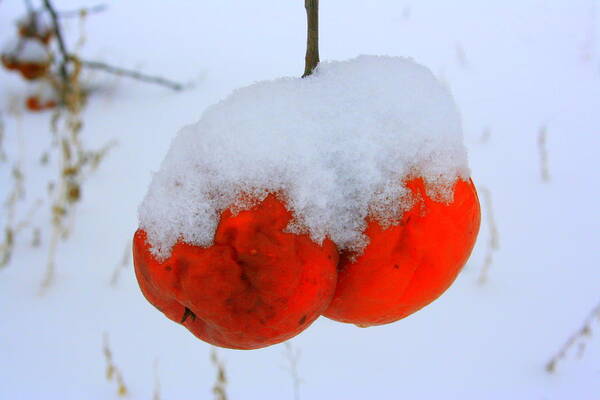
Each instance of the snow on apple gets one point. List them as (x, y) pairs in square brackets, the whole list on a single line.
[(335, 145)]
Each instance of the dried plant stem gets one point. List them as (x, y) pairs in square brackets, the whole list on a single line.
[(220, 385), (12, 228), (542, 136), (112, 372), (494, 237), (578, 337), (51, 264), (82, 11), (12, 231), (312, 37), (292, 356), (122, 265)]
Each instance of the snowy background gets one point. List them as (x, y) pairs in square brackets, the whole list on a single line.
[(516, 69)]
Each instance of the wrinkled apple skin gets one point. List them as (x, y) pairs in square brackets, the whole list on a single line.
[(255, 286), (408, 265)]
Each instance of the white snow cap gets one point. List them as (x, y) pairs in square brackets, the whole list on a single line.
[(338, 145), (26, 50)]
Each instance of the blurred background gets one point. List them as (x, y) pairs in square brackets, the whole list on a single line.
[(521, 321)]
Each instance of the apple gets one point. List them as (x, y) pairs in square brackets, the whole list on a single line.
[(410, 264), (257, 285)]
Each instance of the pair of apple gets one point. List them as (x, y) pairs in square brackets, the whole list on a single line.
[(258, 285)]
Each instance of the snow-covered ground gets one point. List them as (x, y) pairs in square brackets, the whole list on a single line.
[(514, 67)]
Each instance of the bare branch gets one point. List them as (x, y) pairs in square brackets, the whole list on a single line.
[(82, 11), (67, 57), (61, 42), (576, 338), (312, 37), (97, 65)]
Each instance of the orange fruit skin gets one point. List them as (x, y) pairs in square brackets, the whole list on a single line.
[(34, 104), (255, 286), (407, 266), (43, 36), (28, 70)]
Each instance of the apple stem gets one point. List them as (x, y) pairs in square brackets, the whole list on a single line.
[(312, 37)]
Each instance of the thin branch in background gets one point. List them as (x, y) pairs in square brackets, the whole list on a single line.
[(112, 372), (292, 356), (36, 238), (97, 65), (3, 156), (67, 58), (312, 37), (51, 263), (156, 393), (125, 259), (494, 237), (579, 338), (461, 56), (542, 139), (82, 37), (82, 11), (220, 386), (61, 44), (485, 135)]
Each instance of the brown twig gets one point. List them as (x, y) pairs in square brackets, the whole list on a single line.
[(111, 369), (312, 37), (220, 386), (101, 66), (576, 338)]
